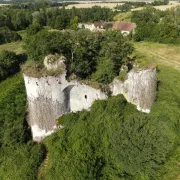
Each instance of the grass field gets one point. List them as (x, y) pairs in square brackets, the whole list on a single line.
[(159, 54), (162, 8), (89, 5), (123, 17), (17, 47), (4, 4)]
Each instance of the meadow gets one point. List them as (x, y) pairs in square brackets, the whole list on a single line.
[(158, 53), (89, 5), (162, 8)]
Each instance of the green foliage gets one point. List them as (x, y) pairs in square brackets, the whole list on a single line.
[(105, 71), (19, 157), (84, 50), (74, 23), (108, 143), (34, 28), (158, 3), (115, 141), (9, 63), (7, 36), (155, 25)]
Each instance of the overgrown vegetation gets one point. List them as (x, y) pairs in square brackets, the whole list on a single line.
[(98, 56), (7, 36), (112, 140), (10, 63), (115, 141), (58, 18), (157, 26), (128, 5), (19, 156)]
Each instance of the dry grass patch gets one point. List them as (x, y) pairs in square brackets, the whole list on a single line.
[(162, 8), (37, 70), (90, 5), (160, 54)]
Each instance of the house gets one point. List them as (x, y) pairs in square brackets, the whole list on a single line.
[(99, 25), (96, 26), (124, 27), (85, 26)]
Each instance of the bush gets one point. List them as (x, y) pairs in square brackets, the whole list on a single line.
[(10, 63), (7, 36), (112, 141), (84, 50), (19, 157)]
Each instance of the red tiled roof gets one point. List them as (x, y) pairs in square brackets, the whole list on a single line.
[(124, 26)]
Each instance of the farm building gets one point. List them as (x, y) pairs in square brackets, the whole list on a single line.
[(124, 27)]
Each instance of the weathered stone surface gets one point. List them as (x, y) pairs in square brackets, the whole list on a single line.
[(140, 88), (50, 97)]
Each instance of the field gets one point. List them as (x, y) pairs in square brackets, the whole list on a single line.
[(123, 17), (159, 54), (89, 5), (162, 8), (4, 4), (17, 47)]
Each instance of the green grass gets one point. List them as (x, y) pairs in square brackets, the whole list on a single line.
[(123, 17), (22, 33), (16, 47)]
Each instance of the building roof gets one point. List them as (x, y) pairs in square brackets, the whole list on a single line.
[(124, 26), (99, 24)]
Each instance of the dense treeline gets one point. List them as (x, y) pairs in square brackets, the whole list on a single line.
[(10, 63), (115, 141), (89, 55), (19, 156), (58, 18), (158, 26), (15, 19), (128, 5)]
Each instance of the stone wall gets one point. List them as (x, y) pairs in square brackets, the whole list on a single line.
[(49, 97), (140, 88)]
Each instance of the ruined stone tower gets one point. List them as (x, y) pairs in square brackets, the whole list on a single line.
[(49, 96)]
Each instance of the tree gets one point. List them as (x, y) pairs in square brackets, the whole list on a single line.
[(34, 28), (74, 23)]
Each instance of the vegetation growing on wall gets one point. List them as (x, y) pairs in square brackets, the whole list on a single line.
[(115, 141)]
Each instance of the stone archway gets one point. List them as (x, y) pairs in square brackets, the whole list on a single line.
[(66, 92)]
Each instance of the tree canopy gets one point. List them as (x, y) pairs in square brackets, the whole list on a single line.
[(84, 50)]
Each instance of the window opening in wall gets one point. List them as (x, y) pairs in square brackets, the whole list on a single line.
[(85, 97)]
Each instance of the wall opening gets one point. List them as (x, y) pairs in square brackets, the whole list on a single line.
[(85, 97)]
